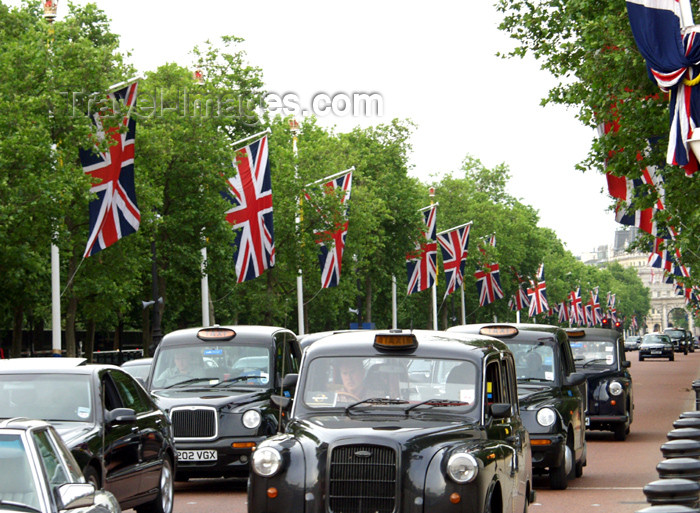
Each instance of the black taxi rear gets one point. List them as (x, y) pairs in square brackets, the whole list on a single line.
[(215, 384), (435, 426), (551, 394), (600, 355)]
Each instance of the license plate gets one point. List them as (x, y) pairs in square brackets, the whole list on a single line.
[(197, 455), (656, 352)]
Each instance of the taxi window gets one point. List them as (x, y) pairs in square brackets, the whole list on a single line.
[(594, 353), (534, 361), (340, 381)]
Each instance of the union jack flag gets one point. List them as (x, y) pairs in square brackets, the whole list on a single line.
[(250, 194), (538, 294), (453, 244), (563, 312), (670, 54), (114, 214), (332, 242), (488, 284), (595, 306), (519, 300), (421, 264), (628, 191), (633, 324), (577, 313)]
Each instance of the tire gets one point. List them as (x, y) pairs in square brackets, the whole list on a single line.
[(672, 357), (621, 431), (163, 503), (641, 358), (92, 476), (578, 468), (558, 476)]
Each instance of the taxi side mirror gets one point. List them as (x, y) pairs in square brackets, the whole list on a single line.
[(290, 381), (500, 410), (626, 364), (284, 403), (575, 379)]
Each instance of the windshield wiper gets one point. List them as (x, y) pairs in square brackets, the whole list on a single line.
[(593, 361), (19, 505), (534, 379), (375, 400), (435, 403), (229, 381), (188, 381)]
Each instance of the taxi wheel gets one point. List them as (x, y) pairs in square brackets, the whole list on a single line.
[(92, 477), (672, 357), (559, 475), (641, 358), (621, 431)]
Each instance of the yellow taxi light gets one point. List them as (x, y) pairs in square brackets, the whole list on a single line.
[(576, 333), (540, 442), (499, 331), (395, 341), (216, 334)]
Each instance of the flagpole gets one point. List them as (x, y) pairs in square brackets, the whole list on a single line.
[(124, 83), (431, 193), (294, 126), (331, 177), (259, 134), (464, 311), (205, 290)]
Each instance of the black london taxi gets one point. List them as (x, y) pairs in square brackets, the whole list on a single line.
[(215, 384), (599, 353), (398, 421), (678, 338), (552, 396), (119, 437)]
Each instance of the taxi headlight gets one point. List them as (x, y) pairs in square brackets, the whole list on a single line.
[(615, 388), (462, 467), (266, 461), (546, 417), (251, 419)]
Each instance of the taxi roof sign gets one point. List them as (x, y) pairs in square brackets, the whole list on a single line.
[(499, 331), (395, 341), (576, 333), (216, 334)]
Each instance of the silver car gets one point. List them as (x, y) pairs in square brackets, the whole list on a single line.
[(40, 474)]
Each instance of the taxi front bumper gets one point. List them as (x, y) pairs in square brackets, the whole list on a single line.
[(224, 457), (547, 450)]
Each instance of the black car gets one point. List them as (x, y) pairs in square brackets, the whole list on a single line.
[(656, 345), (138, 368), (689, 341), (600, 355), (677, 336), (434, 425), (552, 395), (40, 475), (121, 440), (633, 342), (215, 384)]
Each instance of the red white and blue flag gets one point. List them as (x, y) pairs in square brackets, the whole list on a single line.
[(628, 191), (332, 242), (114, 213), (421, 264), (453, 244), (670, 57), (538, 294), (563, 311), (595, 307), (250, 194), (488, 284), (519, 300), (577, 312)]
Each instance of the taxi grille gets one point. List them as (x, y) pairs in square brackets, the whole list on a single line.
[(362, 479), (194, 423)]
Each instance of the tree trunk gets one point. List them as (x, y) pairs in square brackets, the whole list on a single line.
[(16, 350), (90, 340), (71, 313), (368, 300)]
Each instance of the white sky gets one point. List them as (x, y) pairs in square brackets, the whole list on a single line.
[(433, 63)]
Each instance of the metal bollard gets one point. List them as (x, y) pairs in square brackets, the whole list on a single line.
[(681, 448), (688, 422), (681, 433), (696, 387), (663, 492), (690, 414), (684, 468), (670, 508)]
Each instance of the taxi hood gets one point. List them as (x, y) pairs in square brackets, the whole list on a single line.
[(218, 398), (534, 394)]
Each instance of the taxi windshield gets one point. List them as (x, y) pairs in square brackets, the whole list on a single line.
[(17, 484), (211, 365), (594, 353), (398, 382), (534, 361)]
